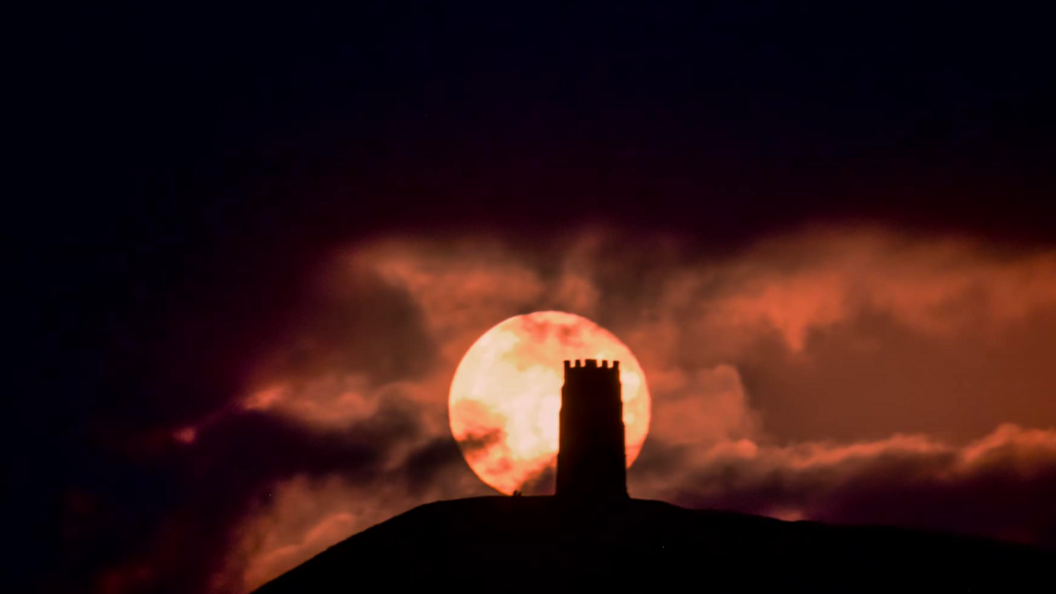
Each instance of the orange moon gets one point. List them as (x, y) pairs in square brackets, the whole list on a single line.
[(506, 395)]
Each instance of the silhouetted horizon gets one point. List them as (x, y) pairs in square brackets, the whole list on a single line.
[(550, 543)]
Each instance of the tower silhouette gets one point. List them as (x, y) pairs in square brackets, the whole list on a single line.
[(591, 459)]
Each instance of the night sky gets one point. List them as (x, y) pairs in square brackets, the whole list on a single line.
[(253, 243)]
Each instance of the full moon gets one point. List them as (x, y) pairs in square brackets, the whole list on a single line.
[(506, 396)]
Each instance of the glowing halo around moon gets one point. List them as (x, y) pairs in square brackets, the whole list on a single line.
[(506, 396)]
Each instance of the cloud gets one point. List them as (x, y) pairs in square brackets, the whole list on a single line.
[(301, 517), (797, 285), (710, 334), (846, 375), (1001, 485), (168, 519), (702, 406), (303, 514)]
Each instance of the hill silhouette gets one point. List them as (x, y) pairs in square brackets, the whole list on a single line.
[(546, 544)]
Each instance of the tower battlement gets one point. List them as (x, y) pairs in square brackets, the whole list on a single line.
[(590, 364), (591, 460)]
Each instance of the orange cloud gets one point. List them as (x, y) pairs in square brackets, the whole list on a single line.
[(303, 518), (931, 286), (995, 486), (790, 378)]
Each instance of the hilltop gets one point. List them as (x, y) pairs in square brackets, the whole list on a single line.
[(545, 544)]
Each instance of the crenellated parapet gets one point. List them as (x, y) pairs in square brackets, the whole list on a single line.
[(591, 461)]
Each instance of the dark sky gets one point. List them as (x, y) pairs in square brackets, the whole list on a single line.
[(185, 174)]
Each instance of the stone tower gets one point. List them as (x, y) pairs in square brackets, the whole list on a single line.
[(591, 461)]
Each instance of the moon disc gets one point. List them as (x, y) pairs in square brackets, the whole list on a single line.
[(506, 396)]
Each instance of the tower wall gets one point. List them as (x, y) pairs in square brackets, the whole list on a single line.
[(592, 460)]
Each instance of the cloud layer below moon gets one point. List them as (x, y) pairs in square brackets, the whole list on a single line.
[(846, 375)]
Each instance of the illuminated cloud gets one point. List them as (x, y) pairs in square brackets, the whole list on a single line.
[(797, 285), (999, 485), (847, 375)]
